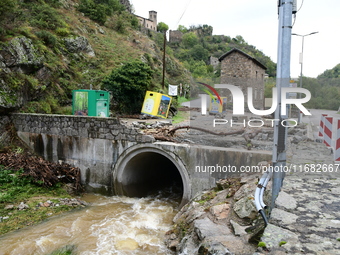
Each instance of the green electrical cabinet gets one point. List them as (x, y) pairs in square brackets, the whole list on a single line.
[(90, 102)]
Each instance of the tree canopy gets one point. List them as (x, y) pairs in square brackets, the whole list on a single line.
[(128, 85)]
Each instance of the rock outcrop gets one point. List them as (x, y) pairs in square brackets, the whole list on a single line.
[(220, 221), (19, 56), (24, 70)]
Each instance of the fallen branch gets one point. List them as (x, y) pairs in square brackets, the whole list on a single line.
[(172, 131), (164, 138)]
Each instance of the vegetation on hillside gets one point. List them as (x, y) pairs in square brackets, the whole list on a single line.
[(198, 45), (325, 89), (51, 27), (71, 50), (128, 84)]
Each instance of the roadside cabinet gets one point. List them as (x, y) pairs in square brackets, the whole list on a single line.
[(156, 104), (216, 106), (90, 102)]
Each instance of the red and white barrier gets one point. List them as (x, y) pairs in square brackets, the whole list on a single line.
[(321, 127), (337, 142), (327, 134)]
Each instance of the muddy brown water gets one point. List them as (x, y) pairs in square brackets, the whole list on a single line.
[(110, 225)]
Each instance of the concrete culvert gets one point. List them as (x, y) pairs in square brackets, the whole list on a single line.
[(145, 171)]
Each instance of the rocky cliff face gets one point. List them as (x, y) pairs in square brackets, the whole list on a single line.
[(25, 72)]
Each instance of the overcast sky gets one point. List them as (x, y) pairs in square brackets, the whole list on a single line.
[(257, 23)]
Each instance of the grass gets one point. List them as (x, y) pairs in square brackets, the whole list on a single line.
[(282, 243), (14, 189), (262, 244), (180, 117), (181, 100)]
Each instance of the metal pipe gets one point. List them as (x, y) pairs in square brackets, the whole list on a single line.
[(261, 187)]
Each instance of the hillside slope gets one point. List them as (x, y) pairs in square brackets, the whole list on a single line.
[(48, 48)]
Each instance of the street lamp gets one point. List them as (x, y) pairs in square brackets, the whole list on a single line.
[(301, 62)]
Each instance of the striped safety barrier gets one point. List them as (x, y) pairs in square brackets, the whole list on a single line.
[(337, 142), (321, 127), (328, 125)]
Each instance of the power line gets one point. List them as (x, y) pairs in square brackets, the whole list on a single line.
[(301, 5), (186, 7)]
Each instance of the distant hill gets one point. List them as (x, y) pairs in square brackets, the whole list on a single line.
[(332, 73)]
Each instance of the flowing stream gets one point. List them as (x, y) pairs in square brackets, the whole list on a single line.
[(110, 225)]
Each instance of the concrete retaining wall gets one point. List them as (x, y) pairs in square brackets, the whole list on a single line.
[(114, 159)]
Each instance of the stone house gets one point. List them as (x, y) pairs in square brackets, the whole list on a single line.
[(150, 23), (175, 36), (242, 70)]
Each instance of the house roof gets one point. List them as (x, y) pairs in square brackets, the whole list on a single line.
[(245, 54)]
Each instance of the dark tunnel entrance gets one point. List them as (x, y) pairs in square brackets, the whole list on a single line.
[(149, 172)]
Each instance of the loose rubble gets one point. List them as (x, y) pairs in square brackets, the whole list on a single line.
[(212, 224), (306, 219)]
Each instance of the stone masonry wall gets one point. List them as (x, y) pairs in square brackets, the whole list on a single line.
[(239, 70), (77, 126)]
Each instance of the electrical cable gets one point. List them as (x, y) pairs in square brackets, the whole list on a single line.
[(297, 12), (300, 6), (259, 192), (186, 7)]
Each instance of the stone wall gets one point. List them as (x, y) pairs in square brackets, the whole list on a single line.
[(4, 135), (175, 36), (78, 126), (241, 70)]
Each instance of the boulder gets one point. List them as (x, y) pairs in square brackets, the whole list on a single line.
[(20, 55), (79, 45), (245, 208)]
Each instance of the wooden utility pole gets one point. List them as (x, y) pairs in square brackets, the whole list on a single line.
[(164, 46)]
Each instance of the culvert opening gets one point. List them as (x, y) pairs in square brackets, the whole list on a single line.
[(151, 174)]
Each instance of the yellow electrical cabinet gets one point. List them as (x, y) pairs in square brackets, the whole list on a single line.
[(156, 104), (216, 106)]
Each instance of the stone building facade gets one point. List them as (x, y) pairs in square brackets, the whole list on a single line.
[(150, 23), (175, 36), (242, 70)]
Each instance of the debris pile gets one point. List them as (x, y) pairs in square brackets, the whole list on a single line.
[(41, 171)]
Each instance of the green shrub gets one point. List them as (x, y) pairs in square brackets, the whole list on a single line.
[(47, 37), (62, 31), (128, 85), (37, 107), (98, 10), (45, 17), (262, 244)]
